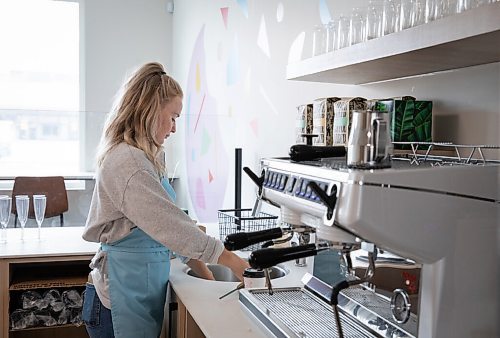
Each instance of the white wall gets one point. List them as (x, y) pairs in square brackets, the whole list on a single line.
[(466, 101), (122, 34), (118, 36)]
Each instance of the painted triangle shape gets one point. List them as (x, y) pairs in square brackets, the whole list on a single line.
[(262, 41), (244, 7), (224, 11), (254, 124)]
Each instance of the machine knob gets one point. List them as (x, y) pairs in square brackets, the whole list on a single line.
[(256, 179), (400, 306), (328, 200)]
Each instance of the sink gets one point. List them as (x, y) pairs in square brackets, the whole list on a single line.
[(224, 274)]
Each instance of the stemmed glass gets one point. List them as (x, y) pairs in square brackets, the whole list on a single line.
[(39, 204), (22, 207), (5, 206)]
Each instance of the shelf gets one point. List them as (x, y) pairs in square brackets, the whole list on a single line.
[(28, 276), (49, 283), (467, 39), (69, 330), (37, 328)]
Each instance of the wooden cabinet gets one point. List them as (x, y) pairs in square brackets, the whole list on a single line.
[(59, 259), (183, 326), (461, 40), (40, 274)]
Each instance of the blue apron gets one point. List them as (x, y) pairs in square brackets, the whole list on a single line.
[(138, 272)]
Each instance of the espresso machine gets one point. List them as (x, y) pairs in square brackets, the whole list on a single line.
[(440, 212)]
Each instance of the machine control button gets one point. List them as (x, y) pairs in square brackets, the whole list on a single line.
[(308, 192), (267, 178), (291, 184), (273, 180), (277, 180), (303, 188), (298, 187), (313, 195), (282, 186)]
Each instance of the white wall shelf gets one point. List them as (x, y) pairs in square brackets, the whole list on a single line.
[(462, 40)]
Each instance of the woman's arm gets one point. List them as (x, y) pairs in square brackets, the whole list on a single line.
[(234, 262), (200, 269)]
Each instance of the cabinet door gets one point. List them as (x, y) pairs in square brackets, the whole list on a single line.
[(4, 299), (186, 326)]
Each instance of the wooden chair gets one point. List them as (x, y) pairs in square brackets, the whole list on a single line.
[(51, 186)]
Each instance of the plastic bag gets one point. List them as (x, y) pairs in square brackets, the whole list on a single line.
[(76, 316), (33, 300), (64, 316), (22, 319), (53, 298), (72, 299), (45, 318)]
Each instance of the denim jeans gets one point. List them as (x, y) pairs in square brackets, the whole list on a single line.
[(97, 317)]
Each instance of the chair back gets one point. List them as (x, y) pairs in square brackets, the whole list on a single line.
[(51, 186)]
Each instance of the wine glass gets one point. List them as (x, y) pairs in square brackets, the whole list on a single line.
[(22, 206), (5, 205), (39, 204)]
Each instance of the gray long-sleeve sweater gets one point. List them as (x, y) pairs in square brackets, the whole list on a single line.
[(128, 193)]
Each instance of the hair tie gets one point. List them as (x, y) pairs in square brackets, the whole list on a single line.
[(162, 73)]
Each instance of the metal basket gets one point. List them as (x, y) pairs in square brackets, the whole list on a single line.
[(241, 220)]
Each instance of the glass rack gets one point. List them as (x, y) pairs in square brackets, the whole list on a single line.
[(446, 153)]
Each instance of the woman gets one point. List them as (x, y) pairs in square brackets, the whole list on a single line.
[(133, 216)]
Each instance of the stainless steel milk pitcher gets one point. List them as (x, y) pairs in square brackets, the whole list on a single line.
[(369, 145)]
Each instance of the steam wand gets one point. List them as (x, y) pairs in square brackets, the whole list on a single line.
[(263, 259), (268, 282), (266, 271), (277, 241), (272, 236), (370, 272)]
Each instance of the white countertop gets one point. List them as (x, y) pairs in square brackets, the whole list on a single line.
[(222, 318), (54, 241), (225, 318)]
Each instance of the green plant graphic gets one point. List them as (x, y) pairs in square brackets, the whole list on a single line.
[(403, 121), (422, 122)]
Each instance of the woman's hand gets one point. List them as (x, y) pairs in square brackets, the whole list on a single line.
[(200, 269), (234, 262)]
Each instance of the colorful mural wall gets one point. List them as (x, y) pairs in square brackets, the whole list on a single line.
[(206, 157), (232, 68), (230, 56)]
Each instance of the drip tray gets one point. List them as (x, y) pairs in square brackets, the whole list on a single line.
[(296, 313)]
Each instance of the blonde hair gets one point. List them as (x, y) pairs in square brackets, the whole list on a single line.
[(134, 118)]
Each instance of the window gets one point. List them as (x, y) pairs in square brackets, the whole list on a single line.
[(39, 87)]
